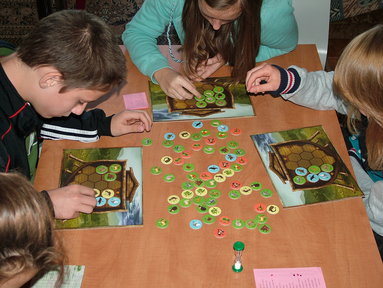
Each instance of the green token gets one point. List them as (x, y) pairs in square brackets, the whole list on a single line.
[(327, 167), (211, 183), (208, 93), (208, 150), (202, 208), (205, 132), (239, 152), (211, 201), (167, 143), (198, 200), (299, 180), (162, 223), (236, 167), (188, 167), (188, 194), (232, 144), (115, 168), (196, 136), (221, 102), (238, 223), (209, 99), (224, 150), (199, 183), (184, 203), (218, 89), (261, 218), (222, 135), (201, 191), (215, 123), (214, 193), (251, 224), (219, 96), (234, 194), (264, 228), (256, 186), (267, 193), (314, 169), (178, 148), (201, 104), (110, 177), (200, 99), (102, 169), (173, 209), (147, 142), (156, 170), (192, 176), (169, 178), (208, 219), (187, 185)]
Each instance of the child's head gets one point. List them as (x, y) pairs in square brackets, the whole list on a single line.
[(358, 78), (27, 240), (80, 46)]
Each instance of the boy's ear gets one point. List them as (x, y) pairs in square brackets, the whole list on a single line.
[(50, 79)]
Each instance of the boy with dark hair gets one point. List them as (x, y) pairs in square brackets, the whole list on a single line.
[(71, 58)]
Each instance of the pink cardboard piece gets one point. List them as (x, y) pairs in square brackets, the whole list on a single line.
[(136, 101)]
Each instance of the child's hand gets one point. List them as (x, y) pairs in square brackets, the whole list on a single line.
[(211, 65), (263, 72), (130, 121), (70, 200), (174, 84)]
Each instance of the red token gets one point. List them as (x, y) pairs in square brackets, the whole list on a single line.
[(178, 161), (241, 160), (225, 220), (206, 176), (196, 146), (224, 164), (186, 154), (219, 232), (235, 131), (260, 207), (235, 185), (210, 141)]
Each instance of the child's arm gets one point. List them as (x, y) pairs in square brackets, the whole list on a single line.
[(130, 121)]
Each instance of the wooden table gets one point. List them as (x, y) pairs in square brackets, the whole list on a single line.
[(335, 236)]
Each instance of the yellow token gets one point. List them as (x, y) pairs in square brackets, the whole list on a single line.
[(272, 209), (173, 199), (184, 135), (228, 172), (107, 193), (187, 194), (166, 160), (245, 190), (219, 177), (214, 211), (201, 191), (96, 192)]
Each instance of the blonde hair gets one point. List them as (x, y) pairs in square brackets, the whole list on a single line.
[(358, 78), (27, 238)]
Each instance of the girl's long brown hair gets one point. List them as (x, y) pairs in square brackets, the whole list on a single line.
[(358, 78), (237, 42)]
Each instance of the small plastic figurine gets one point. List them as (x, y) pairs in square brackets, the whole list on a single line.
[(238, 248)]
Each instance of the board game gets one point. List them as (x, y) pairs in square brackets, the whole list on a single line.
[(219, 100), (304, 167), (115, 175)]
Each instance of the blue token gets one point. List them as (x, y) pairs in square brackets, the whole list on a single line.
[(213, 168), (195, 224), (324, 176), (170, 136), (301, 171), (100, 201), (313, 178), (223, 128), (231, 157), (114, 201), (197, 124)]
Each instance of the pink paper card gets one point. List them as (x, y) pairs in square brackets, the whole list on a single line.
[(136, 101), (308, 277)]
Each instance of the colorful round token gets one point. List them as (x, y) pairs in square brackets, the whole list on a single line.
[(219, 178), (202, 208), (169, 178), (205, 132), (178, 161), (100, 201), (115, 168), (208, 219), (232, 144), (195, 224), (261, 218), (228, 172), (251, 224), (245, 190), (210, 141), (222, 135), (215, 211), (208, 93), (224, 220), (235, 131), (184, 135), (220, 102), (224, 164), (256, 186), (201, 104), (184, 203), (196, 146), (209, 99), (231, 157), (187, 185), (239, 152), (186, 154), (197, 124), (219, 96), (208, 150), (198, 200), (162, 223), (314, 169), (192, 176), (211, 183), (156, 170), (187, 194), (173, 209), (173, 199), (188, 167), (211, 202), (196, 137), (167, 143), (313, 178), (215, 123), (201, 98), (236, 167), (206, 176), (299, 180), (219, 232), (199, 183), (238, 223), (301, 171), (241, 160), (214, 193), (234, 194), (201, 191), (147, 142), (235, 185), (267, 193), (178, 148), (223, 128), (327, 167), (102, 169), (213, 168), (260, 207), (218, 89), (170, 136), (110, 177), (272, 209), (114, 201), (96, 192), (107, 193), (264, 228), (166, 160), (224, 150), (324, 176)]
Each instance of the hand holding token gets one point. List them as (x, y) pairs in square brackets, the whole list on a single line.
[(264, 72), (130, 121)]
